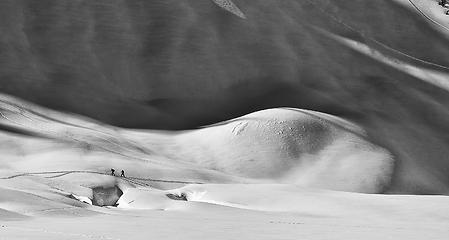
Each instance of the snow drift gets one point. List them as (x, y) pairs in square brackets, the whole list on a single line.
[(290, 146), (284, 145)]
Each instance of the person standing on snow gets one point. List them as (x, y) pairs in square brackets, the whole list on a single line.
[(112, 172), (122, 174)]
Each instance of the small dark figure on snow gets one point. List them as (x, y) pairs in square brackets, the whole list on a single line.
[(112, 172), (122, 174)]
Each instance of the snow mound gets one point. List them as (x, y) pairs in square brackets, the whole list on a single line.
[(295, 146), (281, 145)]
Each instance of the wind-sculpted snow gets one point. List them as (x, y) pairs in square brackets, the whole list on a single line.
[(269, 169), (286, 145), (291, 146)]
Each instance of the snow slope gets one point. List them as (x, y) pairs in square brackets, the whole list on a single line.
[(269, 169), (290, 146), (373, 75), (293, 146), (184, 64)]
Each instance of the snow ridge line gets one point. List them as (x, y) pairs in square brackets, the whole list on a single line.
[(130, 179), (137, 152), (23, 111), (28, 109), (362, 34), (55, 135)]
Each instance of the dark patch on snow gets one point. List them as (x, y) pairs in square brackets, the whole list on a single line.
[(106, 196), (182, 197)]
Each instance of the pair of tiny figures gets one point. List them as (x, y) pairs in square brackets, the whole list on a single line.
[(113, 173)]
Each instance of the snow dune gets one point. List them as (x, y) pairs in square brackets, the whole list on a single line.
[(272, 169), (282, 145), (290, 146)]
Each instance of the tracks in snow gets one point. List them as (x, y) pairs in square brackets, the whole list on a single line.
[(134, 180), (22, 117)]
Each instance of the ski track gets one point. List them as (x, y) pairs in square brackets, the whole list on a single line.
[(129, 179)]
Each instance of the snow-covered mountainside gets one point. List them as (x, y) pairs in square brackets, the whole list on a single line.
[(171, 64)]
